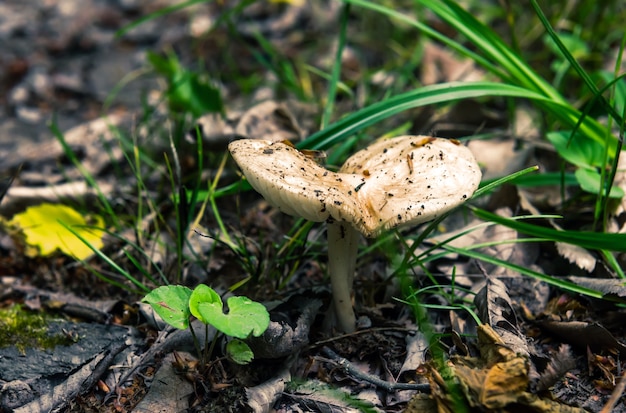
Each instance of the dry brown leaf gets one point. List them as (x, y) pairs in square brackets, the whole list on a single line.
[(609, 287), (169, 391), (499, 157), (494, 304), (269, 120), (496, 381), (440, 65), (417, 345), (583, 334), (577, 255), (560, 363)]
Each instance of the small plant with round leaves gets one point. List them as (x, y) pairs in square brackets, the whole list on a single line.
[(176, 304)]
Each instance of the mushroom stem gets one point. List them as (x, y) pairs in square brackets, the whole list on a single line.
[(343, 241)]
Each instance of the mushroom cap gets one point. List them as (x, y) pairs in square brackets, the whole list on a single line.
[(295, 183), (412, 179), (395, 182)]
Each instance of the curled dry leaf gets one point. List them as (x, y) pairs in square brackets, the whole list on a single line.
[(560, 363), (262, 397), (497, 381), (494, 305), (269, 120), (496, 309), (577, 255), (613, 288), (582, 334), (286, 336)]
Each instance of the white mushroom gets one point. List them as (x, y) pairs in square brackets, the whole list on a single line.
[(396, 182)]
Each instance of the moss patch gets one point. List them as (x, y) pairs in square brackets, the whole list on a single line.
[(25, 329)]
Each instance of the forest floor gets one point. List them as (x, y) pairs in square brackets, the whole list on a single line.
[(540, 349)]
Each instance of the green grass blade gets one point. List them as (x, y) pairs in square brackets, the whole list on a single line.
[(585, 239), (436, 94), (487, 187), (336, 71), (548, 279), (85, 173), (496, 57), (574, 63), (159, 13), (108, 260)]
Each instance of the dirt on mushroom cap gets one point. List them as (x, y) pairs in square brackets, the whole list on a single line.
[(294, 183), (412, 179), (396, 182)]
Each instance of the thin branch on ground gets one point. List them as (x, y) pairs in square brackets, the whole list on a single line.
[(353, 371)]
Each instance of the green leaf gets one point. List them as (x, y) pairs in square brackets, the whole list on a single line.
[(190, 92), (590, 181), (573, 43), (239, 352), (45, 227), (171, 302), (584, 153), (244, 317), (205, 295), (162, 65), (617, 85)]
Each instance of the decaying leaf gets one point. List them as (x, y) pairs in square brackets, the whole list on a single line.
[(614, 288), (493, 387), (495, 309), (577, 255), (497, 381), (560, 363), (583, 334), (494, 304), (286, 336), (169, 390), (261, 398), (46, 227)]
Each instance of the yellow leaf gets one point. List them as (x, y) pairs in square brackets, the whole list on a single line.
[(43, 228), (297, 3)]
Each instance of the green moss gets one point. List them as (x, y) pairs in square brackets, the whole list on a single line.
[(25, 329)]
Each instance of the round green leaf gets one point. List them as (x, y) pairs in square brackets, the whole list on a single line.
[(239, 352), (171, 302), (590, 181), (244, 317), (584, 153), (206, 295)]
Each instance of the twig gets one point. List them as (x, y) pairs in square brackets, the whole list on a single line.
[(359, 332), (618, 392), (355, 372)]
